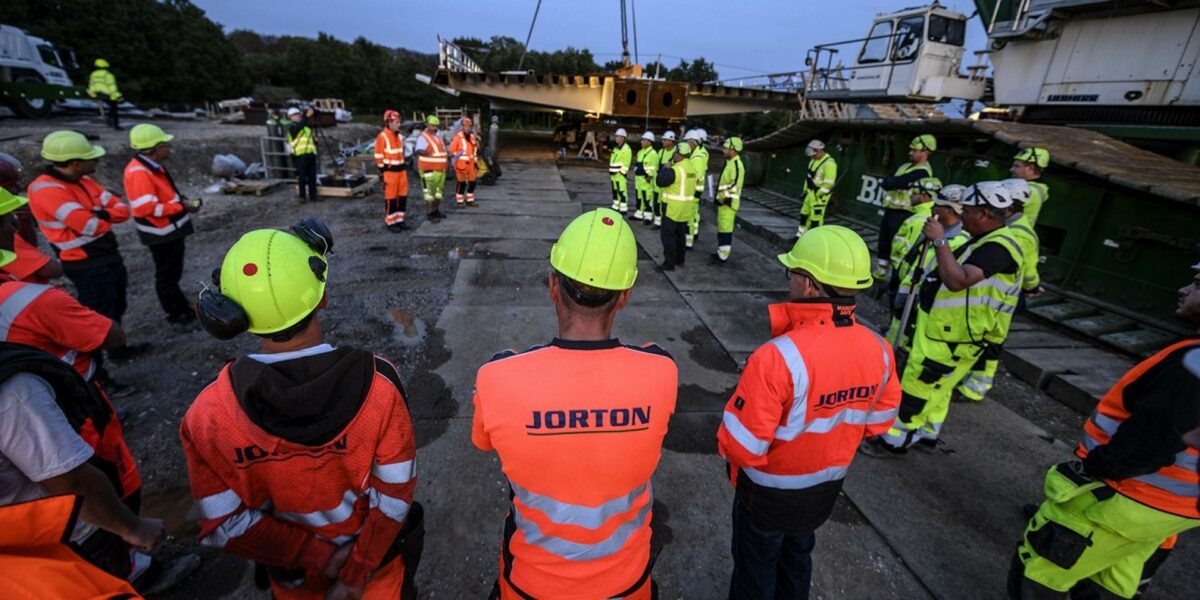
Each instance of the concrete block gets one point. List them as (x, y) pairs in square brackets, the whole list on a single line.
[(1036, 366), (1080, 392)]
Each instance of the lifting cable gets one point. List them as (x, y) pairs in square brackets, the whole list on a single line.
[(529, 35)]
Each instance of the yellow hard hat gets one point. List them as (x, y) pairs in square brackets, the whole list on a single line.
[(101, 63), (8, 203), (924, 142), (735, 143), (63, 146), (597, 249), (275, 277), (145, 136), (1034, 155), (926, 185), (433, 120), (833, 255), (683, 149)]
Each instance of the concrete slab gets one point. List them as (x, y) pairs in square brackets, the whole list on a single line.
[(739, 320), (494, 226), (1031, 338), (510, 248), (1036, 366), (747, 269), (563, 209), (1080, 392)]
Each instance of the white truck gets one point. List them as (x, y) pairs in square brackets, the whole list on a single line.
[(33, 73)]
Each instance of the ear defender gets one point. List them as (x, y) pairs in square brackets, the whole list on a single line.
[(220, 316)]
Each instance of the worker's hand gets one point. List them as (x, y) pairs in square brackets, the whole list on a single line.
[(146, 535), (102, 214), (193, 206), (1034, 293), (933, 230), (308, 112), (341, 591), (338, 559)]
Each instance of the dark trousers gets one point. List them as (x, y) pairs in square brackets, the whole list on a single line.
[(168, 268), (893, 218), (111, 114), (306, 175), (768, 564), (102, 288), (673, 234)]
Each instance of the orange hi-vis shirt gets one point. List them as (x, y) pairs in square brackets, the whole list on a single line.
[(51, 320), (65, 212), (578, 446), (807, 398), (29, 261), (436, 160), (466, 147), (157, 206), (389, 151), (289, 505)]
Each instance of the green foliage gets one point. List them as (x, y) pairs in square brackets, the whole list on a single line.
[(503, 53), (160, 51)]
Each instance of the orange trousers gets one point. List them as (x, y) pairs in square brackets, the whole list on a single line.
[(395, 184)]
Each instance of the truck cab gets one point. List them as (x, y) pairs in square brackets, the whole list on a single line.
[(30, 67)]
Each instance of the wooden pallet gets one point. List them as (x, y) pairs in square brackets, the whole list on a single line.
[(257, 187), (362, 189)]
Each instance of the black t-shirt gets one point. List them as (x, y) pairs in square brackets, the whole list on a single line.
[(991, 257)]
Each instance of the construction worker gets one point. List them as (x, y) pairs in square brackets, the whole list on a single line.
[(964, 306), (102, 85), (804, 402), (579, 521), (389, 158), (920, 193), (698, 160), (1028, 164), (645, 167), (979, 381), (300, 456), (1133, 487), (31, 264), (676, 183), (162, 215), (465, 150), (619, 163), (76, 215), (896, 204), (947, 209), (666, 158), (431, 163), (818, 186), (729, 197), (303, 144)]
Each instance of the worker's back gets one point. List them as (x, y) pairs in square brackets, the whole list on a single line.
[(578, 440)]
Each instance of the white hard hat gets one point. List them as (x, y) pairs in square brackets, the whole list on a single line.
[(293, 111), (701, 134), (1018, 189), (950, 196), (689, 134), (987, 193), (621, 133), (649, 135), (669, 135), (814, 147)]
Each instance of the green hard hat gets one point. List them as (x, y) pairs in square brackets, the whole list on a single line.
[(63, 146), (1034, 155), (8, 203), (683, 149), (101, 63), (145, 136), (735, 143), (269, 274), (433, 120), (597, 249), (924, 142), (833, 255)]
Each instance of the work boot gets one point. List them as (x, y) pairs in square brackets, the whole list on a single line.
[(877, 448), (664, 268), (438, 214), (162, 577), (116, 390), (928, 445), (127, 352)]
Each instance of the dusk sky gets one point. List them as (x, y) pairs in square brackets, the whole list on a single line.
[(743, 38)]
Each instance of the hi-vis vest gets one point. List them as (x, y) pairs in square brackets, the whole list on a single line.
[(303, 143), (1173, 488), (389, 151), (578, 448), (1028, 238), (666, 158), (102, 81), (698, 161), (910, 233), (436, 160), (158, 210), (679, 197), (24, 321), (902, 199), (822, 174), (620, 160), (466, 146), (956, 236), (648, 158), (1039, 193), (981, 313), (65, 212), (733, 176)]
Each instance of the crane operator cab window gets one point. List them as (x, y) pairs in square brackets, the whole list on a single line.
[(875, 48), (944, 30), (909, 32)]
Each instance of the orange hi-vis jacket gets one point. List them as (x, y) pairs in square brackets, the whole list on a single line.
[(1173, 488), (465, 147), (389, 151), (436, 160), (66, 214), (158, 210), (51, 320), (578, 446), (289, 505), (36, 560), (807, 398)]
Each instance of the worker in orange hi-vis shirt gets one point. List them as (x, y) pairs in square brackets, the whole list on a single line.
[(301, 456), (389, 157), (464, 149), (30, 265), (578, 444)]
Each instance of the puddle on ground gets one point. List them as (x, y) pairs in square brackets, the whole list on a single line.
[(173, 506), (409, 329)]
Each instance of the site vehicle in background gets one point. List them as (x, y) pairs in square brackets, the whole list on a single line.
[(33, 74)]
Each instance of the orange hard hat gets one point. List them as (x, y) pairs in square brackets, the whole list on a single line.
[(467, 122), (390, 115)]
